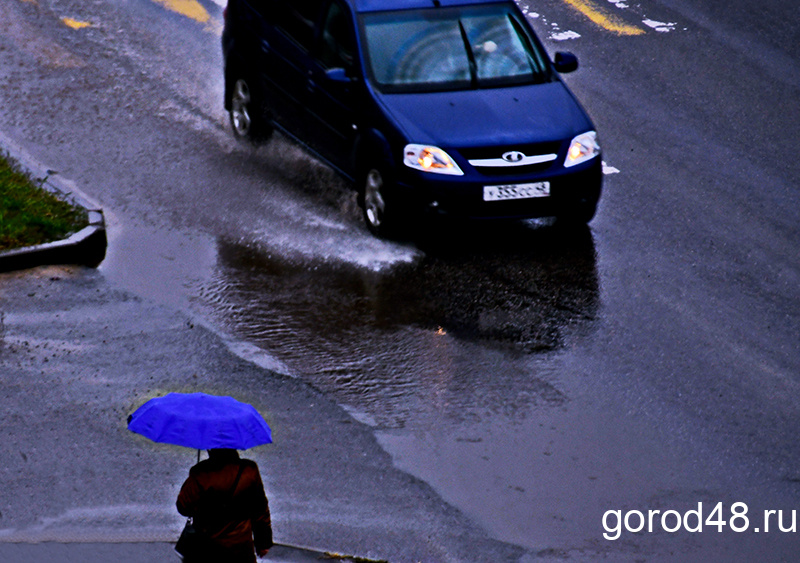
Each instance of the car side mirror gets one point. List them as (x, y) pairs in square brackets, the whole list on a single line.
[(337, 75), (565, 62)]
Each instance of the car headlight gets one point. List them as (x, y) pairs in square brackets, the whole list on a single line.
[(430, 159), (582, 148)]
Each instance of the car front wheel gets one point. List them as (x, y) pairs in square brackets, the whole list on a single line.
[(247, 114), (377, 214), (579, 215)]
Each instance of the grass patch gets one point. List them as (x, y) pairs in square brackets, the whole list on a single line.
[(31, 215)]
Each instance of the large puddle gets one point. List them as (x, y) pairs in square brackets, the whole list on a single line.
[(440, 336)]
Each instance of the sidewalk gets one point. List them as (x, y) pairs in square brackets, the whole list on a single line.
[(89, 552), (135, 553)]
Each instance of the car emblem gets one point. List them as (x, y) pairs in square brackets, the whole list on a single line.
[(513, 156)]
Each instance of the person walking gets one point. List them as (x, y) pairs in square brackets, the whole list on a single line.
[(225, 498)]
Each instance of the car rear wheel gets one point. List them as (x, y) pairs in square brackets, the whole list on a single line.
[(247, 114)]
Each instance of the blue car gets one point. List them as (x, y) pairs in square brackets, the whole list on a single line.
[(444, 106)]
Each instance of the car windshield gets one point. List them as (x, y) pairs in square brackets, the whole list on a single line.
[(450, 49)]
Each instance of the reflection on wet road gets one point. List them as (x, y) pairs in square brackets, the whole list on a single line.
[(436, 338)]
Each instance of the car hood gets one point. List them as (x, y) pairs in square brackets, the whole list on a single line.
[(544, 112)]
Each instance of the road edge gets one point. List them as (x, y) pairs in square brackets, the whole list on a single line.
[(87, 247)]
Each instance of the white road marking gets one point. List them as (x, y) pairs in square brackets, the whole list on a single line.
[(660, 26), (564, 36)]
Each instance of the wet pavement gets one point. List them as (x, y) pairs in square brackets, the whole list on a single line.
[(439, 403), (83, 552), (375, 339), (78, 356), (140, 552)]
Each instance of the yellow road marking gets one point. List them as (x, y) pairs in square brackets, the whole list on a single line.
[(189, 8), (75, 24), (30, 41), (605, 20)]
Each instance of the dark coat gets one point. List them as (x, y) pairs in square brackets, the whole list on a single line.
[(237, 524)]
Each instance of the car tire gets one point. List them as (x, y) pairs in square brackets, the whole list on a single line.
[(247, 114), (378, 215), (579, 215)]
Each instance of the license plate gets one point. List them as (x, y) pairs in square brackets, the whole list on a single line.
[(516, 191)]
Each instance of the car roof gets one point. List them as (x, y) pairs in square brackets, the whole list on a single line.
[(362, 6)]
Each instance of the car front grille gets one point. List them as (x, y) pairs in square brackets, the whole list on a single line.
[(520, 159)]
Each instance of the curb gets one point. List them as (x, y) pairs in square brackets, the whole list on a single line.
[(87, 247)]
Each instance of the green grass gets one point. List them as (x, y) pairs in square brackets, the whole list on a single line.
[(30, 215)]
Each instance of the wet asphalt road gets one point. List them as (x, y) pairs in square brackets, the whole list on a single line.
[(80, 355), (533, 379)]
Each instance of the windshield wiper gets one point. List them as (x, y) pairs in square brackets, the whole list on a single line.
[(473, 64)]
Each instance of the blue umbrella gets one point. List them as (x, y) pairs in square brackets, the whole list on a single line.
[(200, 421)]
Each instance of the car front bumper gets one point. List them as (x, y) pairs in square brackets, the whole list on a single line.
[(460, 196)]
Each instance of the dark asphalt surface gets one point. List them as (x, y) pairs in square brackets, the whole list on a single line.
[(680, 387)]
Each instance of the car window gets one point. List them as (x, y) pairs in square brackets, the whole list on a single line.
[(337, 46), (455, 48), (295, 18), (417, 50), (497, 48)]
